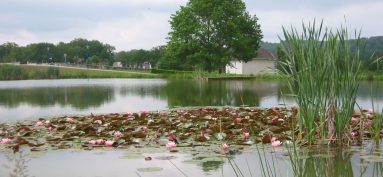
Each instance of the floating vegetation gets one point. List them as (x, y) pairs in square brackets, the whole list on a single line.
[(222, 127), (175, 128)]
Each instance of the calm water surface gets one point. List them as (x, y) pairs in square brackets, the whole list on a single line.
[(21, 100), (366, 161)]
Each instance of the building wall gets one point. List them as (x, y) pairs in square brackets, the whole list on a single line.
[(236, 67), (258, 66), (117, 64)]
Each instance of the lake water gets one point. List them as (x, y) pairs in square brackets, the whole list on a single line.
[(31, 99), (365, 160)]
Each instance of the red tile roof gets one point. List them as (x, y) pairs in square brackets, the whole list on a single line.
[(264, 54)]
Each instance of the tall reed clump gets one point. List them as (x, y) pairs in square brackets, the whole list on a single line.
[(323, 70)]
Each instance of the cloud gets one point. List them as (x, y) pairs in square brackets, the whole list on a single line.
[(146, 32), (132, 24), (124, 24), (365, 16)]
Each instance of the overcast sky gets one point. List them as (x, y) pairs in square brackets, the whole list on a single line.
[(135, 24)]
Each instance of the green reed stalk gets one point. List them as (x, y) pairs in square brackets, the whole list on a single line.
[(323, 71), (267, 169), (377, 120), (377, 125)]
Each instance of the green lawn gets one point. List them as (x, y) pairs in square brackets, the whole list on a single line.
[(18, 72)]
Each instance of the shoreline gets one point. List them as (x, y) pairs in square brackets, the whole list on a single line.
[(39, 72)]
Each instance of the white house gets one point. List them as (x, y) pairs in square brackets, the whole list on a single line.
[(263, 62), (117, 64)]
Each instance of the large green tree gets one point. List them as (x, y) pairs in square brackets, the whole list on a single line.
[(207, 34)]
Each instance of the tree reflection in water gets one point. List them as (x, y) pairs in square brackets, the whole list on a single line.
[(341, 162), (17, 163), (78, 97)]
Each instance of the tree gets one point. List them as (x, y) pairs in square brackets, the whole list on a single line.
[(207, 34), (137, 57), (8, 52), (39, 52)]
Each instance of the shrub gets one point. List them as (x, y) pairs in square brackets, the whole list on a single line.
[(53, 73), (12, 72)]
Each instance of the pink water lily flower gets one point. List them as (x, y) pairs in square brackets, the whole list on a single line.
[(171, 145), (275, 142), (92, 142), (117, 134), (69, 120), (109, 143), (38, 124), (5, 141), (246, 135), (100, 141), (47, 122), (238, 120), (225, 147), (145, 129)]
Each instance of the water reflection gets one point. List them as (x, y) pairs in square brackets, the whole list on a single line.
[(80, 96), (212, 165), (202, 93), (16, 164), (325, 162), (370, 95), (337, 166), (341, 162), (176, 92)]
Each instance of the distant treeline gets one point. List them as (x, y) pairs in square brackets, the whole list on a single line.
[(79, 51), (93, 52), (370, 49)]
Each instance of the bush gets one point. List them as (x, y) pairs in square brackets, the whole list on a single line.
[(12, 72), (38, 75), (53, 73)]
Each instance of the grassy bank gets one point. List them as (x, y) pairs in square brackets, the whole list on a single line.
[(370, 76), (23, 72), (174, 74)]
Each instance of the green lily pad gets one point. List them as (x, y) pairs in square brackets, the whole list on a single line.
[(132, 156), (166, 157), (150, 169)]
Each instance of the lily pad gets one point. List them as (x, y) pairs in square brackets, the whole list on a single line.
[(150, 169), (132, 156), (166, 157)]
